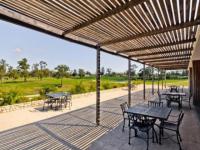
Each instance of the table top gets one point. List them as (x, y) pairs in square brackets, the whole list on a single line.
[(57, 95), (174, 93), (150, 111)]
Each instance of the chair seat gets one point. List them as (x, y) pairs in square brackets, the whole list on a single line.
[(170, 125)]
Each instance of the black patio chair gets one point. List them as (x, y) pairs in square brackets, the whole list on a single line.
[(142, 124), (187, 99), (68, 101), (174, 126), (124, 107), (174, 99), (49, 103), (155, 103), (161, 97)]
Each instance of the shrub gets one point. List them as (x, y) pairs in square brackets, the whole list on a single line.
[(11, 97), (46, 90), (79, 88), (106, 85), (92, 87)]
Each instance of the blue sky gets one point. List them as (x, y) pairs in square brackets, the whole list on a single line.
[(18, 42)]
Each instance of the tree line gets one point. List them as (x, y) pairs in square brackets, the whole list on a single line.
[(39, 70)]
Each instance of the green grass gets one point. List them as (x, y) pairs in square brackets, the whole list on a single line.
[(33, 86)]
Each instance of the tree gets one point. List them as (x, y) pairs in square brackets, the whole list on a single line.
[(42, 65), (74, 73), (62, 71), (148, 72), (81, 73), (102, 71), (23, 67), (3, 67), (108, 71), (35, 70), (13, 73)]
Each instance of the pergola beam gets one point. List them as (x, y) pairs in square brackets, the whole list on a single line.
[(107, 14), (157, 46), (163, 57), (170, 63), (175, 60), (151, 33), (164, 52)]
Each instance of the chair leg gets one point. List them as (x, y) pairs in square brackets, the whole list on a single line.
[(147, 139), (177, 136), (129, 138), (152, 135), (190, 105), (155, 135), (123, 125)]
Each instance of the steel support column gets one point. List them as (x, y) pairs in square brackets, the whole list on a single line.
[(165, 80), (162, 79), (158, 80), (144, 82), (129, 82), (152, 81), (98, 86)]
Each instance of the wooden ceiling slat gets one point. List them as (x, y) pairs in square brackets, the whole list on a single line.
[(105, 15), (38, 17), (155, 32)]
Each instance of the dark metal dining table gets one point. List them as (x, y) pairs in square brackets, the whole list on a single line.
[(161, 113), (174, 93), (57, 96)]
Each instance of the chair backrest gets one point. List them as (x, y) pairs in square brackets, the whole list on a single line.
[(180, 118), (155, 103), (124, 107), (159, 96)]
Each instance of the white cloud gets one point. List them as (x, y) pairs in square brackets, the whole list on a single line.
[(18, 50)]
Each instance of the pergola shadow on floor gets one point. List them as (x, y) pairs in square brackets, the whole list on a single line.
[(73, 130)]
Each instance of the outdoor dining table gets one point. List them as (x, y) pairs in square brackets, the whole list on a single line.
[(161, 113), (174, 93), (57, 96)]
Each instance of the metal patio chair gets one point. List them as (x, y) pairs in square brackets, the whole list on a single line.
[(142, 124), (124, 107)]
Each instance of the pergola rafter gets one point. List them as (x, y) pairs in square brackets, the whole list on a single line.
[(164, 57), (163, 52), (175, 60), (151, 33), (157, 46)]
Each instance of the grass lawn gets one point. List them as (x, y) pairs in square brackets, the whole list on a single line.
[(33, 86)]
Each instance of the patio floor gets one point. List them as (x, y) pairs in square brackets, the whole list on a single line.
[(190, 129), (77, 130)]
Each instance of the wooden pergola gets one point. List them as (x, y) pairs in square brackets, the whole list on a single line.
[(158, 33)]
